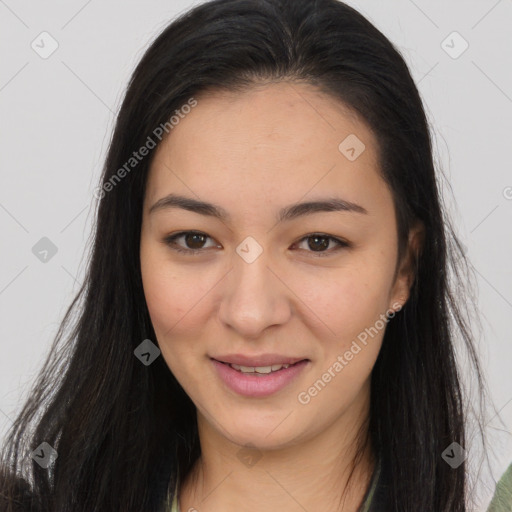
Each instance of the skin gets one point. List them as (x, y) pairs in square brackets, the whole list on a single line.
[(253, 153)]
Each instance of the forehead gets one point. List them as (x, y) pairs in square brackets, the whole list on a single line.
[(281, 139)]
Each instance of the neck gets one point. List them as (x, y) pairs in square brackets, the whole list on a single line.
[(309, 475)]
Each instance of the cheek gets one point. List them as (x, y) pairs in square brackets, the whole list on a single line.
[(345, 302), (170, 291), (161, 291), (178, 307), (350, 306), (168, 312)]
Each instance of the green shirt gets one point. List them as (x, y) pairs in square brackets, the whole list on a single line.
[(502, 499)]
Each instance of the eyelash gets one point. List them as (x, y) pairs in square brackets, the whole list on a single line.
[(192, 252)]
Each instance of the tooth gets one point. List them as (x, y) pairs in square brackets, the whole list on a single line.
[(263, 369), (258, 369)]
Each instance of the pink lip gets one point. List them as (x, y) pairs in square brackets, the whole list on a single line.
[(261, 360), (258, 385)]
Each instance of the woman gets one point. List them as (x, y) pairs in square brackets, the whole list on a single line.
[(266, 321)]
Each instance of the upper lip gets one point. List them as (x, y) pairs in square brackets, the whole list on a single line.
[(260, 360)]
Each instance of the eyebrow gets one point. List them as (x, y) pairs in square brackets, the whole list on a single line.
[(288, 213)]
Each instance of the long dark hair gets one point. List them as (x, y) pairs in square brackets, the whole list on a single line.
[(125, 432)]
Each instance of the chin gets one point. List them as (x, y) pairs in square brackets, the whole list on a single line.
[(264, 435)]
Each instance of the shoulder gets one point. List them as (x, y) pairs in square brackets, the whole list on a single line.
[(15, 494), (502, 499)]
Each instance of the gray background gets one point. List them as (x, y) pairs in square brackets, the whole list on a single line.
[(57, 115)]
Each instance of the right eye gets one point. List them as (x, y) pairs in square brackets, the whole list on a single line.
[(194, 238)]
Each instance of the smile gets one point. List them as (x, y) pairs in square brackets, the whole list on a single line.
[(258, 381)]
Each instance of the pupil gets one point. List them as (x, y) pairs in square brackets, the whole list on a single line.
[(191, 244), (324, 244)]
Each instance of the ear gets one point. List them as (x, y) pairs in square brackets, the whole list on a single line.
[(406, 271)]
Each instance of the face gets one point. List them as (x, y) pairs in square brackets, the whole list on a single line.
[(313, 286)]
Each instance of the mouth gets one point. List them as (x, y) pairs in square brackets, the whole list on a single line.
[(260, 370), (259, 381)]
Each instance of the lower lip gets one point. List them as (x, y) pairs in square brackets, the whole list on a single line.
[(259, 385)]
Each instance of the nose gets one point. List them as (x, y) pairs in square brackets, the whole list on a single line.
[(254, 298)]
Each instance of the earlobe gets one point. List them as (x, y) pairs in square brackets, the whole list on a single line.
[(397, 305)]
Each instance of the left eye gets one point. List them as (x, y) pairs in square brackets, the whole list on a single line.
[(316, 241), (322, 241)]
